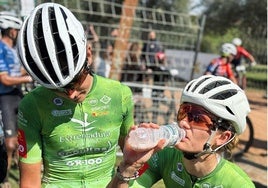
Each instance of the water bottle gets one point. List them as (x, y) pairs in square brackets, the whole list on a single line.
[(146, 138)]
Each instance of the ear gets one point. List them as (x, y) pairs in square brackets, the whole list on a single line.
[(223, 137), (89, 54)]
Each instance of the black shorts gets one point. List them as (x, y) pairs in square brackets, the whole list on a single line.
[(9, 108)]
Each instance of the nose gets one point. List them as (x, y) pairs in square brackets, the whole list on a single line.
[(72, 93)]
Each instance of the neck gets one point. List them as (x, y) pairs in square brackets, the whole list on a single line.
[(7, 41), (202, 165)]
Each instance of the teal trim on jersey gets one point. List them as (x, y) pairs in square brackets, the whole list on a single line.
[(77, 142), (167, 165)]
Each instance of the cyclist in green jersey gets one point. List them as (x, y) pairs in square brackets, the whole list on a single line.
[(213, 112), (72, 123)]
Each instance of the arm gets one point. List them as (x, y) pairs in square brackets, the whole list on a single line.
[(30, 175), (30, 143), (14, 80), (91, 30), (246, 54), (133, 161)]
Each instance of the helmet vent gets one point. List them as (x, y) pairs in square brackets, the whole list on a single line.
[(30, 60), (187, 89), (229, 110), (59, 46), (42, 51), (224, 94), (213, 85), (198, 83)]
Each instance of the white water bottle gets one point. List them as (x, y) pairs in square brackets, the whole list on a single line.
[(146, 138)]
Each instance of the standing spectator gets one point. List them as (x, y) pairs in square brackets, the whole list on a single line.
[(72, 123), (150, 48), (221, 66), (238, 65), (12, 76)]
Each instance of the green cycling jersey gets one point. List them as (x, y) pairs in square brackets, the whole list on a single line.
[(76, 142), (167, 165)]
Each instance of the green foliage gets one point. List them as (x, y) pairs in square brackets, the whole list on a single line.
[(244, 19), (211, 43), (257, 77), (258, 72)]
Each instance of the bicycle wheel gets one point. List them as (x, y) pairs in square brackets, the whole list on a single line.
[(245, 139)]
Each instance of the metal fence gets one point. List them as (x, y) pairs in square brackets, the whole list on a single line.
[(155, 103), (173, 30)]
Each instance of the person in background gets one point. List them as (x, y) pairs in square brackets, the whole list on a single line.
[(237, 63), (213, 113), (12, 75), (133, 69), (150, 49), (72, 124), (93, 43), (221, 66), (106, 58)]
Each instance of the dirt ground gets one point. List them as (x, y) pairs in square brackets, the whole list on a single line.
[(254, 162)]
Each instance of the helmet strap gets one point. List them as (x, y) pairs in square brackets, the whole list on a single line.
[(206, 149)]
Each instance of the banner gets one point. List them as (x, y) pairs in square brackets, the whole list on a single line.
[(183, 61)]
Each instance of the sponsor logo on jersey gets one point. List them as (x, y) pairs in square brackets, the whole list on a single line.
[(84, 124), (177, 179), (93, 102), (179, 167), (22, 144), (96, 114), (58, 101), (105, 99), (207, 185), (86, 162), (100, 108), (58, 113), (21, 119), (71, 138), (87, 150)]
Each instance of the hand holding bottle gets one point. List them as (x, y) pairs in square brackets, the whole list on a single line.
[(132, 156)]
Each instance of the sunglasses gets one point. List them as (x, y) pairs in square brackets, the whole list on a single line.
[(197, 116)]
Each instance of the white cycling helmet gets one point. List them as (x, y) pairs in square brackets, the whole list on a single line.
[(237, 41), (52, 45), (221, 97), (227, 49), (9, 20)]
